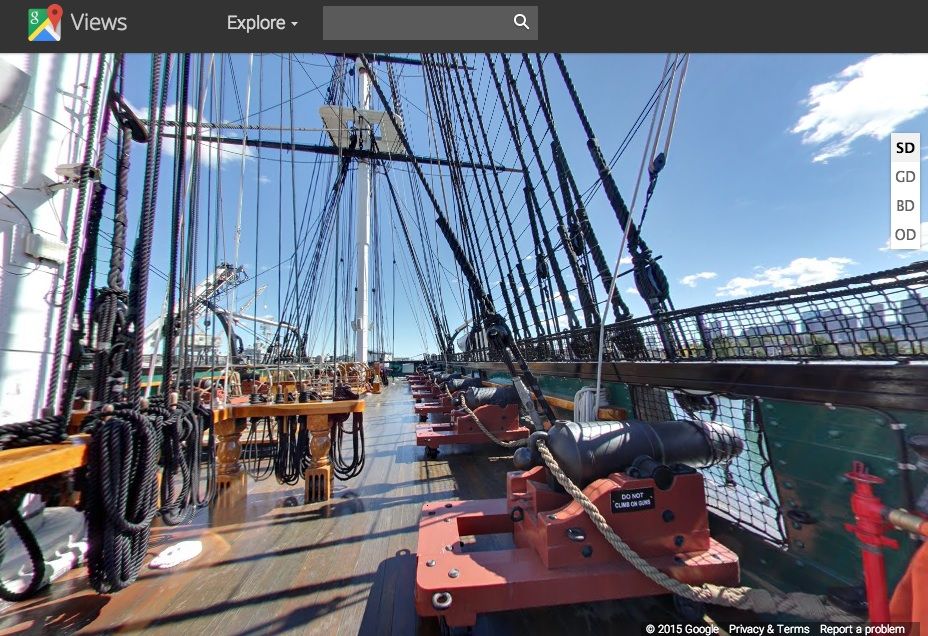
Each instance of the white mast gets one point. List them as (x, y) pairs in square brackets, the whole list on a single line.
[(45, 105), (363, 228)]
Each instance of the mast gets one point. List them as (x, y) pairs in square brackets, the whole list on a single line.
[(361, 147), (363, 227)]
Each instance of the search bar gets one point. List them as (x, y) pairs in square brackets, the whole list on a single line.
[(412, 23)]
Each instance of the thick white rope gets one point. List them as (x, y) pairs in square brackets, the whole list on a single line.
[(808, 606), (676, 104), (587, 404), (232, 300), (628, 227)]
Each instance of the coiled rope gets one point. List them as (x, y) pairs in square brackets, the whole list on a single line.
[(9, 512), (292, 456), (182, 434), (121, 494), (40, 431), (808, 606), (342, 468), (258, 466), (346, 469)]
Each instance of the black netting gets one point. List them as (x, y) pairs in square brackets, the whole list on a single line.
[(741, 490), (872, 317)]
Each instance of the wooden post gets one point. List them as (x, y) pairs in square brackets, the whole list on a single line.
[(230, 477), (319, 474)]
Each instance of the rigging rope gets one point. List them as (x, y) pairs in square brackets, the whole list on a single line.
[(460, 105), (77, 232), (590, 316), (620, 309), (520, 269), (346, 469), (180, 162), (501, 336), (531, 200), (429, 301), (138, 286), (644, 266), (109, 303)]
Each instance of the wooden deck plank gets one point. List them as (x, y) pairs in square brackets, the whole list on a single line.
[(274, 565)]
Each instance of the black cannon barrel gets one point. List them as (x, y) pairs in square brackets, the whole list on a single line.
[(587, 451), (462, 384), (501, 396)]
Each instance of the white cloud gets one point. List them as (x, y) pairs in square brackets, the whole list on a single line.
[(869, 99), (633, 291), (693, 279), (799, 272), (625, 260)]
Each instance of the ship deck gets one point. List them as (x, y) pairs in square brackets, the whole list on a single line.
[(274, 565)]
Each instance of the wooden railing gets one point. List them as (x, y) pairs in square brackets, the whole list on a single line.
[(22, 466), (231, 421)]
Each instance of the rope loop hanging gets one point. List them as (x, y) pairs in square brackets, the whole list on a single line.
[(9, 513), (121, 493)]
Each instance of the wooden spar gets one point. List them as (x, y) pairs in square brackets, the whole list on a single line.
[(335, 151)]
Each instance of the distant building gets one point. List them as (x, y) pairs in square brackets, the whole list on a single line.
[(874, 317), (833, 324), (717, 329), (783, 328), (913, 315), (812, 322)]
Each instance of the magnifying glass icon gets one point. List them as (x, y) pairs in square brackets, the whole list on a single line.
[(520, 21)]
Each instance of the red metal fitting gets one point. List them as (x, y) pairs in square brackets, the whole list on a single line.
[(870, 527)]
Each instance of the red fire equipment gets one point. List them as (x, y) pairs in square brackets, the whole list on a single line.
[(872, 521)]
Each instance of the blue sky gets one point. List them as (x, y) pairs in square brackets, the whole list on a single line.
[(778, 173)]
